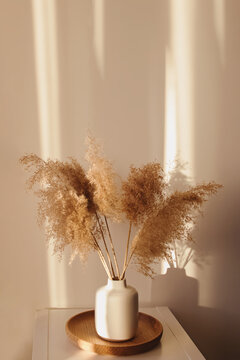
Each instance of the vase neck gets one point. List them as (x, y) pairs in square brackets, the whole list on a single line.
[(116, 284)]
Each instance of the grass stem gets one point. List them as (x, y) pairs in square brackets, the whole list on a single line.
[(112, 247)]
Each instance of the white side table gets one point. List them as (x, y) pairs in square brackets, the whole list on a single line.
[(50, 341)]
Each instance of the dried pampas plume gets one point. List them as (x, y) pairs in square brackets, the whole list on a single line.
[(66, 207), (173, 221), (106, 182), (143, 191), (75, 205)]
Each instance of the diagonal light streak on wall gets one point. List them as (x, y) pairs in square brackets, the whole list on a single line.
[(170, 133), (219, 24), (179, 131), (182, 33), (98, 34), (46, 59)]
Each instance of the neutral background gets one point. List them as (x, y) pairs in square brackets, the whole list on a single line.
[(151, 79)]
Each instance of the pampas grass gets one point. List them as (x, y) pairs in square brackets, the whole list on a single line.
[(173, 221), (75, 205)]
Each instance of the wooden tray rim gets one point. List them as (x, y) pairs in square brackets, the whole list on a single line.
[(123, 346)]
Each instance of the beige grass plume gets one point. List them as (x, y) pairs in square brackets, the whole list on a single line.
[(142, 192), (170, 222), (106, 182), (66, 207)]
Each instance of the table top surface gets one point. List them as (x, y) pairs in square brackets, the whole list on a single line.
[(50, 341)]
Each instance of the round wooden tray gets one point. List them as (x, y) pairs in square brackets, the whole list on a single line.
[(81, 331)]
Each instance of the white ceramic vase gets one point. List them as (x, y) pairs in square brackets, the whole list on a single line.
[(116, 311)]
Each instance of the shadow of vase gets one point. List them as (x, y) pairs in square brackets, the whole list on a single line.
[(176, 290), (179, 293), (214, 331)]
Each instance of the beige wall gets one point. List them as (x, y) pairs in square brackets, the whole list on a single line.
[(151, 79)]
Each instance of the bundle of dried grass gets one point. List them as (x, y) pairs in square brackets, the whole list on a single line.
[(105, 181), (172, 221), (74, 207), (142, 192), (107, 195), (66, 208)]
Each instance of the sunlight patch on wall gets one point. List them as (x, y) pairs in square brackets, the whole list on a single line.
[(219, 23), (182, 46), (46, 59), (170, 133), (182, 41), (179, 130), (98, 34)]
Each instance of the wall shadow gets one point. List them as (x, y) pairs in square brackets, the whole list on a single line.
[(26, 353), (217, 126), (170, 289), (214, 331)]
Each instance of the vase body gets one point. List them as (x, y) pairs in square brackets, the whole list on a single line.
[(116, 311)]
